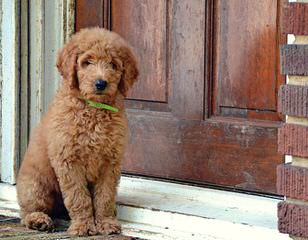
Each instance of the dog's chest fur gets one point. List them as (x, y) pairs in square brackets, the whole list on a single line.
[(87, 133)]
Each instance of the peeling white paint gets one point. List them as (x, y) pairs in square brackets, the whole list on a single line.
[(10, 85), (51, 25)]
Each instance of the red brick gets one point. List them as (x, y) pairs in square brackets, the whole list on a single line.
[(295, 18), (293, 100), (293, 140), (292, 181), (293, 219), (294, 59)]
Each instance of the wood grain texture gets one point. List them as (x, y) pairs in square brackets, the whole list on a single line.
[(293, 100), (171, 134), (222, 152), (92, 13), (246, 49), (249, 114), (187, 58), (24, 77), (144, 25), (294, 59), (295, 18)]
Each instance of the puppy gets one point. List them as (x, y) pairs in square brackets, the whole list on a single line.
[(74, 154)]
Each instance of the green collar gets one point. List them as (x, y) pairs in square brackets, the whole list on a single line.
[(100, 105)]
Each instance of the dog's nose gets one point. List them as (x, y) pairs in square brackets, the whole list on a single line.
[(100, 84)]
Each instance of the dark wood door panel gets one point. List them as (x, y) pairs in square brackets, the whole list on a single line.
[(249, 113), (187, 61), (209, 74), (143, 23), (246, 47), (180, 40), (92, 13), (218, 151)]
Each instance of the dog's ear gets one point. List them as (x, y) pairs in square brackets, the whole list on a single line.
[(130, 71), (66, 64)]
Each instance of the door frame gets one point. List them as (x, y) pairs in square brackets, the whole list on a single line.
[(28, 49)]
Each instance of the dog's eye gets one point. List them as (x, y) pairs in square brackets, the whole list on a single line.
[(114, 67), (86, 63)]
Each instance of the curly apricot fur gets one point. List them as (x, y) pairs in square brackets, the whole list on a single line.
[(75, 152)]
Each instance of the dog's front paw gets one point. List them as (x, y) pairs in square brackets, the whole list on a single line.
[(108, 226), (82, 228), (38, 221)]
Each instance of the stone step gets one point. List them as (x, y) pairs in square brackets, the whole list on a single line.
[(156, 210)]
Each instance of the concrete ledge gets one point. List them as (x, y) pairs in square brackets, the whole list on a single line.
[(162, 210)]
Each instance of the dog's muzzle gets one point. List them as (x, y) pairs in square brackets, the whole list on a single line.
[(100, 84)]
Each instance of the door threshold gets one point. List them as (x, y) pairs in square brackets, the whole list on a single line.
[(152, 209)]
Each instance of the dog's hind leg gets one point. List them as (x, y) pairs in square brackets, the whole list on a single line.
[(36, 197)]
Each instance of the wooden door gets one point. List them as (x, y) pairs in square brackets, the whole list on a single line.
[(204, 109)]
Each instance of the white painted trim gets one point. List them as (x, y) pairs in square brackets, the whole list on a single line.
[(290, 38), (57, 13), (10, 85), (8, 192), (196, 227), (51, 24), (160, 210), (68, 19), (36, 60), (226, 206)]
